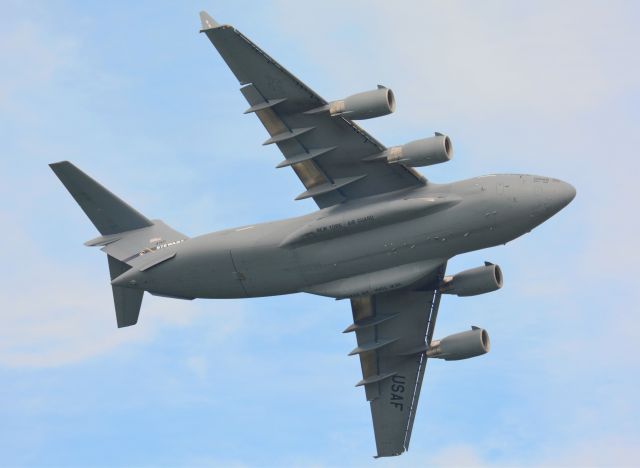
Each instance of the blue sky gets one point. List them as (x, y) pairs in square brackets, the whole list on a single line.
[(136, 97)]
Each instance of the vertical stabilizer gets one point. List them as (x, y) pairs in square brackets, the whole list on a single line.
[(108, 213), (126, 300)]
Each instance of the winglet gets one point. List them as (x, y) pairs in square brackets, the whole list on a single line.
[(207, 21)]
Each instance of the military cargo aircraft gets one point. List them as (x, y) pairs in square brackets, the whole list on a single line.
[(381, 237)]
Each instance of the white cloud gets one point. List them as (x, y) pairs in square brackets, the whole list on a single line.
[(457, 58), (611, 452), (34, 60), (55, 309), (198, 365), (545, 88), (456, 455), (479, 64)]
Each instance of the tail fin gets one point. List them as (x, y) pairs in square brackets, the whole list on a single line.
[(126, 234), (108, 213), (126, 300)]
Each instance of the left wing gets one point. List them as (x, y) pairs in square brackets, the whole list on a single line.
[(327, 153), (393, 331)]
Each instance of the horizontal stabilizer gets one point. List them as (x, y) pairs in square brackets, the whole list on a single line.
[(108, 213), (128, 237), (136, 244)]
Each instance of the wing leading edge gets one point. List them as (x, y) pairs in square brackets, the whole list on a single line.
[(326, 153), (393, 331), (332, 157)]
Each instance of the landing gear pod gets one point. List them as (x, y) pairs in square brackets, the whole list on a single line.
[(465, 345), (475, 281)]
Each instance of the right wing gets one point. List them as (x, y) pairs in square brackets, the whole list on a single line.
[(327, 153), (394, 330)]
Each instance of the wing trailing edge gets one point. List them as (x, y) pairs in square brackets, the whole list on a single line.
[(393, 330)]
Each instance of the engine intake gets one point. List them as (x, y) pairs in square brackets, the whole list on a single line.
[(424, 152), (472, 282), (465, 345), (367, 105)]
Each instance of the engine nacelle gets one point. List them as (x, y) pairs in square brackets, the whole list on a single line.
[(472, 282), (465, 345), (367, 105), (424, 152)]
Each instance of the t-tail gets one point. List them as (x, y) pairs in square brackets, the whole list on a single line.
[(126, 234)]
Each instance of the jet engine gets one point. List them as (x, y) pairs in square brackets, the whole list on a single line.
[(361, 106), (465, 345), (425, 152), (475, 281)]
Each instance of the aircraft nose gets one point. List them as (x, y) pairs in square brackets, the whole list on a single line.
[(548, 197), (564, 194)]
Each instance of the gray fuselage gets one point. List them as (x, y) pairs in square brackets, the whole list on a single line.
[(355, 238)]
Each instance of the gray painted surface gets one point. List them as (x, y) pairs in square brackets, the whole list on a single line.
[(382, 235)]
